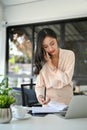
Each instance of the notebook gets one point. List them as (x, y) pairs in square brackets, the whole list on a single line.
[(52, 107), (76, 109)]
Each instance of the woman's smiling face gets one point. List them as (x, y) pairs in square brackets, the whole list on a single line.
[(50, 45)]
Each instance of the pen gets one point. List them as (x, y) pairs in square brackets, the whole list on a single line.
[(45, 93)]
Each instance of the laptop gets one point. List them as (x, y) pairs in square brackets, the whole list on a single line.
[(76, 109)]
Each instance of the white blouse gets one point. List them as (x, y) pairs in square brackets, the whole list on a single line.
[(58, 83)]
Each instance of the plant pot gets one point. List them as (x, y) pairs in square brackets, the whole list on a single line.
[(5, 115)]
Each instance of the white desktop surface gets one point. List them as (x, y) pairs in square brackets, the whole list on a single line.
[(48, 122)]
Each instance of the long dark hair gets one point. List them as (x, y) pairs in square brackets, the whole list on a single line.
[(39, 55)]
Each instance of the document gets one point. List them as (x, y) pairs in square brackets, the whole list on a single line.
[(52, 107)]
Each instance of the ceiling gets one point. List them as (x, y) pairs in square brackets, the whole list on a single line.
[(73, 31), (16, 2)]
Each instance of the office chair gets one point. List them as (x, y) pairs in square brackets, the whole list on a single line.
[(28, 95)]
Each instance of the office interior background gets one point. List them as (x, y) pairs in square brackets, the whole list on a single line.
[(67, 18)]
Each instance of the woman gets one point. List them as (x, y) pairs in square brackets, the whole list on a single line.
[(54, 69)]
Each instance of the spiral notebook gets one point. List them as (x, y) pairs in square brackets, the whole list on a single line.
[(52, 107)]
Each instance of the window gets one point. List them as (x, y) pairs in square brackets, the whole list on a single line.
[(76, 40), (72, 35), (20, 45)]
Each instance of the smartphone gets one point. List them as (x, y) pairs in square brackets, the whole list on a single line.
[(46, 52), (49, 54)]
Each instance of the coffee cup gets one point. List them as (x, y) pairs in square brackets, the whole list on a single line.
[(20, 112)]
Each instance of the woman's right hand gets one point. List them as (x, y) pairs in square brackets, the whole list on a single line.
[(47, 56), (42, 100)]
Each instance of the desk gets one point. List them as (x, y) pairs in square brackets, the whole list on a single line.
[(49, 122)]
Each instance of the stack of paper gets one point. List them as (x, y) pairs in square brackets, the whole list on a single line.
[(52, 107)]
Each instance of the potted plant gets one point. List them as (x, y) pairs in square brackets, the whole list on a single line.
[(6, 99)]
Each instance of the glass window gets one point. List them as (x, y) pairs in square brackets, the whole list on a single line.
[(20, 54), (72, 35), (76, 40)]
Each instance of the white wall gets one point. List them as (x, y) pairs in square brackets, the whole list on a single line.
[(2, 41), (45, 10), (1, 12), (2, 49)]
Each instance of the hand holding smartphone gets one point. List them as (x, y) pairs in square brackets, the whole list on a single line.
[(47, 56)]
